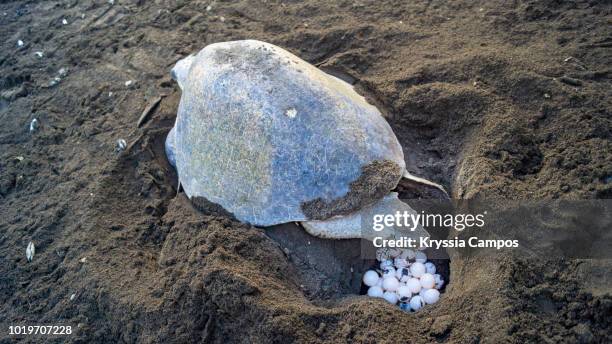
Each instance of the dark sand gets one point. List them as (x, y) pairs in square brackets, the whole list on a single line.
[(504, 99)]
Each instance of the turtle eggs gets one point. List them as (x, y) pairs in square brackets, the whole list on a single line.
[(414, 285), (388, 272), (375, 291), (390, 297), (428, 281), (431, 296), (370, 278), (390, 284), (404, 292), (417, 269), (400, 282), (439, 281), (387, 263), (416, 302), (403, 274)]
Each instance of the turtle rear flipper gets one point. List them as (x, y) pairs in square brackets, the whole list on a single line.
[(360, 224), (421, 187)]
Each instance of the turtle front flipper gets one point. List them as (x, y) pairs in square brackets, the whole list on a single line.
[(361, 224), (170, 147)]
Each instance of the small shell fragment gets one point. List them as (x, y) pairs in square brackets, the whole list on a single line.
[(291, 113), (55, 81), (120, 145), (33, 125), (19, 43), (30, 250)]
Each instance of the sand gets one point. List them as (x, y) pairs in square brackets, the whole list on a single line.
[(499, 100)]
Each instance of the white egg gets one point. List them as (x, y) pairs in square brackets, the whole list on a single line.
[(430, 268), (414, 285), (390, 284), (416, 302), (439, 281), (375, 291), (417, 269), (388, 272), (431, 296), (370, 278), (403, 274), (428, 281), (391, 297), (404, 293), (400, 262), (420, 257), (387, 263)]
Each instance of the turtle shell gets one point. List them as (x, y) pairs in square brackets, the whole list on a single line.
[(273, 139)]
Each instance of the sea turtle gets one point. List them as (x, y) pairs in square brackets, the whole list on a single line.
[(273, 139)]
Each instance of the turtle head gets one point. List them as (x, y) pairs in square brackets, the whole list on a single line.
[(181, 70)]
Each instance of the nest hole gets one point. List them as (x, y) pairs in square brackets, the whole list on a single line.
[(328, 269)]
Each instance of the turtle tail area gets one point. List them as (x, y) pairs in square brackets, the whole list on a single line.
[(425, 188), (181, 70)]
